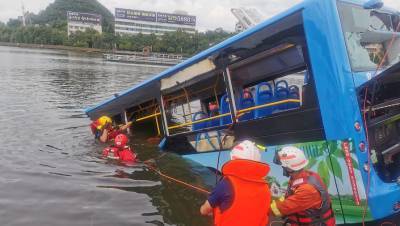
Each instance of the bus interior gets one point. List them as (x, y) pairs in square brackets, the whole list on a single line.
[(380, 103)]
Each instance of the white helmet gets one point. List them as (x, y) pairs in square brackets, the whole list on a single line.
[(246, 150), (292, 158)]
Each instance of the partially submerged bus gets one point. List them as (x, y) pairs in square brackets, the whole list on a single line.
[(323, 76)]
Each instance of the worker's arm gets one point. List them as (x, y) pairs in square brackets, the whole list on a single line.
[(126, 126), (206, 209), (104, 136), (304, 197), (219, 197)]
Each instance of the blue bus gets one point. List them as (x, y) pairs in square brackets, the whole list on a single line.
[(323, 76)]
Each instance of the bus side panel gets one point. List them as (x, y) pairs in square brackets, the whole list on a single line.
[(328, 159), (337, 95), (345, 168)]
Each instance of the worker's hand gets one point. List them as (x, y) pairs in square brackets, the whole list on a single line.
[(206, 209), (107, 126), (275, 210)]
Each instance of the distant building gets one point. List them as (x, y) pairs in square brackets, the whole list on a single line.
[(247, 18), (81, 21), (128, 21)]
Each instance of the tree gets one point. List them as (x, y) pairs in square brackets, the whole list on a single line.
[(56, 12), (14, 23)]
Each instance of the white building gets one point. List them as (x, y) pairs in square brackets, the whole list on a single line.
[(81, 21), (129, 21), (247, 18)]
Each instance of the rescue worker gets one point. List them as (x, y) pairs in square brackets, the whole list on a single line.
[(307, 201), (104, 131), (242, 197), (120, 150)]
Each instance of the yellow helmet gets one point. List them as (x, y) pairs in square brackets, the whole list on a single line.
[(103, 120)]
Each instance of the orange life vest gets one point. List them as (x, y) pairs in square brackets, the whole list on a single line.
[(322, 216), (251, 194)]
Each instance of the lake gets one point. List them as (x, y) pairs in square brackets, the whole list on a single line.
[(51, 168)]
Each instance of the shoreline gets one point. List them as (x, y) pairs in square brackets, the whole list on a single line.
[(56, 47)]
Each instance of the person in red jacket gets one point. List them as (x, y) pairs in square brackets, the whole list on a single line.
[(104, 131), (120, 151), (307, 201), (242, 197)]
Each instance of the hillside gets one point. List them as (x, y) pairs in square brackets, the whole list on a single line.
[(56, 13)]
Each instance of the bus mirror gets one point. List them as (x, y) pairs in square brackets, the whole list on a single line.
[(373, 4)]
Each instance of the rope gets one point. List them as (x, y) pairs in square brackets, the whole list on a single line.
[(388, 223), (176, 180), (157, 171)]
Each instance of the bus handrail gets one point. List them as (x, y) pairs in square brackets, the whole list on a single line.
[(198, 121), (269, 105), (147, 117), (240, 111)]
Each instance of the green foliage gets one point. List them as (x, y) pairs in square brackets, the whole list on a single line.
[(14, 23), (311, 163), (334, 167), (323, 171), (173, 42), (327, 156), (56, 13), (355, 164), (50, 27)]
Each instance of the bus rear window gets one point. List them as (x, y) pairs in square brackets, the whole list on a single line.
[(368, 34)]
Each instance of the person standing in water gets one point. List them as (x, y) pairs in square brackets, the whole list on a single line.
[(103, 129), (242, 197), (120, 150)]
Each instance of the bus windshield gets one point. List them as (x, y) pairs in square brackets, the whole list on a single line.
[(368, 34)]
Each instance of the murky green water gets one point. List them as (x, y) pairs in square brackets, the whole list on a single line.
[(51, 170)]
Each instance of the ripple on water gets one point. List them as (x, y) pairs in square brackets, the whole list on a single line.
[(51, 170)]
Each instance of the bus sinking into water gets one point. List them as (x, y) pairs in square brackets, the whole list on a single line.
[(323, 76)]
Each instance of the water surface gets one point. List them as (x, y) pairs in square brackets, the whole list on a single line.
[(51, 170)]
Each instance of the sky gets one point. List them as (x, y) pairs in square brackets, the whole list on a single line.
[(210, 14)]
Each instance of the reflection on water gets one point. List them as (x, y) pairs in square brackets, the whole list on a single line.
[(51, 170)]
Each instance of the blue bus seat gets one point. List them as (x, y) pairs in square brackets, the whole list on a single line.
[(213, 122), (294, 93), (246, 101), (281, 93), (264, 96), (224, 108), (197, 116)]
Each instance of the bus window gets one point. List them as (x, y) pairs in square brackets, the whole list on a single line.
[(276, 91), (269, 92), (196, 106), (368, 34)]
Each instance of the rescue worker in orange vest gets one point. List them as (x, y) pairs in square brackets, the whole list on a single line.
[(242, 197), (307, 201), (104, 131)]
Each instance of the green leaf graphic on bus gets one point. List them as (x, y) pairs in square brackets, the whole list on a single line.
[(323, 171), (334, 165)]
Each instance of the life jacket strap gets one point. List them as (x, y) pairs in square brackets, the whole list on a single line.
[(311, 220)]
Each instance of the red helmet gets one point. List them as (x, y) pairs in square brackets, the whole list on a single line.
[(120, 140)]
